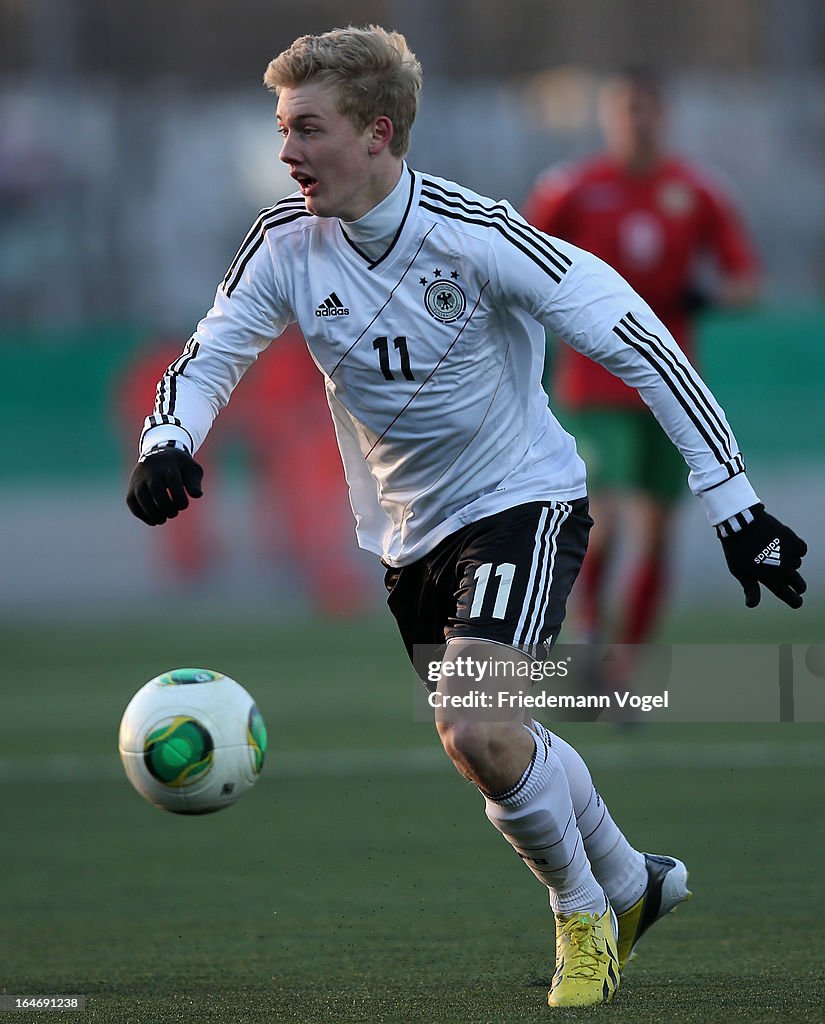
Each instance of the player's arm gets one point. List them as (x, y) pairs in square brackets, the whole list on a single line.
[(247, 314), (548, 207), (584, 301)]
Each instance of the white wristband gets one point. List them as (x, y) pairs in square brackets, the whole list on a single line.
[(727, 498)]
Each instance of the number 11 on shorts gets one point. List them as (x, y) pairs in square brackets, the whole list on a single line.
[(505, 573)]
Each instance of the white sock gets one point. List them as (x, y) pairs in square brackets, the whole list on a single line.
[(616, 865), (536, 817)]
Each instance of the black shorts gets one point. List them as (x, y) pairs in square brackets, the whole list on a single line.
[(504, 578)]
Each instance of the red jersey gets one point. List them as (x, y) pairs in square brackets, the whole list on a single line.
[(652, 228)]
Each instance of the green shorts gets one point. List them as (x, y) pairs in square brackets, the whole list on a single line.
[(626, 449)]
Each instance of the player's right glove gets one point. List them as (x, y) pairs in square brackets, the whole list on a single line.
[(160, 483), (760, 549)]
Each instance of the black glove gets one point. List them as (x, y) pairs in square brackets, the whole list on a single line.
[(760, 549), (159, 484), (696, 300)]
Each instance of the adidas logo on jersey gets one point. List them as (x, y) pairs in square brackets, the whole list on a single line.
[(770, 554), (332, 306)]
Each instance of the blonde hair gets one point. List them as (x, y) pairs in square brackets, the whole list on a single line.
[(374, 72)]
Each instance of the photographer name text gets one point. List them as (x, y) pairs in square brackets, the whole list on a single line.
[(484, 700)]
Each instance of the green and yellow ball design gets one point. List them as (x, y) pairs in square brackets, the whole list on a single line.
[(256, 738), (187, 676), (179, 752)]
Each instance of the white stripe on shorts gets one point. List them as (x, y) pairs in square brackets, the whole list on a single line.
[(541, 576)]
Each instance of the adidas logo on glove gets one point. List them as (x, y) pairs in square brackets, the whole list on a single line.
[(770, 554)]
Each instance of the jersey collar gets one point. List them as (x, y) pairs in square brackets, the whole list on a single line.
[(384, 223)]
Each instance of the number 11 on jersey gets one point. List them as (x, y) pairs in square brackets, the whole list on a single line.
[(382, 347)]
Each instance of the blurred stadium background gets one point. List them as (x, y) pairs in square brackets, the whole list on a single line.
[(137, 145)]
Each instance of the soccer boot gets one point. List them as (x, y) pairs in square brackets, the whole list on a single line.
[(666, 887), (587, 964)]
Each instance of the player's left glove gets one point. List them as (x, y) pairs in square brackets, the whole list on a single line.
[(760, 549)]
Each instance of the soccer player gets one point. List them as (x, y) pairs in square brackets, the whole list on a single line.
[(658, 221), (424, 306)]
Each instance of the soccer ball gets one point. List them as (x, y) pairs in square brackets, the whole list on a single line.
[(192, 741)]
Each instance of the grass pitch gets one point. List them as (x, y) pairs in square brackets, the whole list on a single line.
[(359, 881)]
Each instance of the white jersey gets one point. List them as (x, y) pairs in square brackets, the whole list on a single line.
[(432, 359)]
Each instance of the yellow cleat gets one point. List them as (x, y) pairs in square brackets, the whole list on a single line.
[(587, 964), (666, 888)]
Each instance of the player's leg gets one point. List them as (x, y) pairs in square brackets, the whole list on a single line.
[(525, 788), (527, 799), (659, 482), (644, 590), (513, 574), (642, 888), (606, 441), (592, 587), (617, 866)]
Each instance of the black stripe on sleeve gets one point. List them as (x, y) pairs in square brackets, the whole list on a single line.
[(156, 420), (253, 231), (734, 467), (167, 390), (232, 279), (286, 205), (444, 212), (687, 379), (621, 331), (499, 214), (160, 392), (188, 354)]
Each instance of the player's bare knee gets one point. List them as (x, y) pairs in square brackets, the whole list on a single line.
[(459, 737), (473, 746)]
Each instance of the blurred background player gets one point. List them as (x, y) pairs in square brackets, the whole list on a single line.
[(283, 429), (664, 225)]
